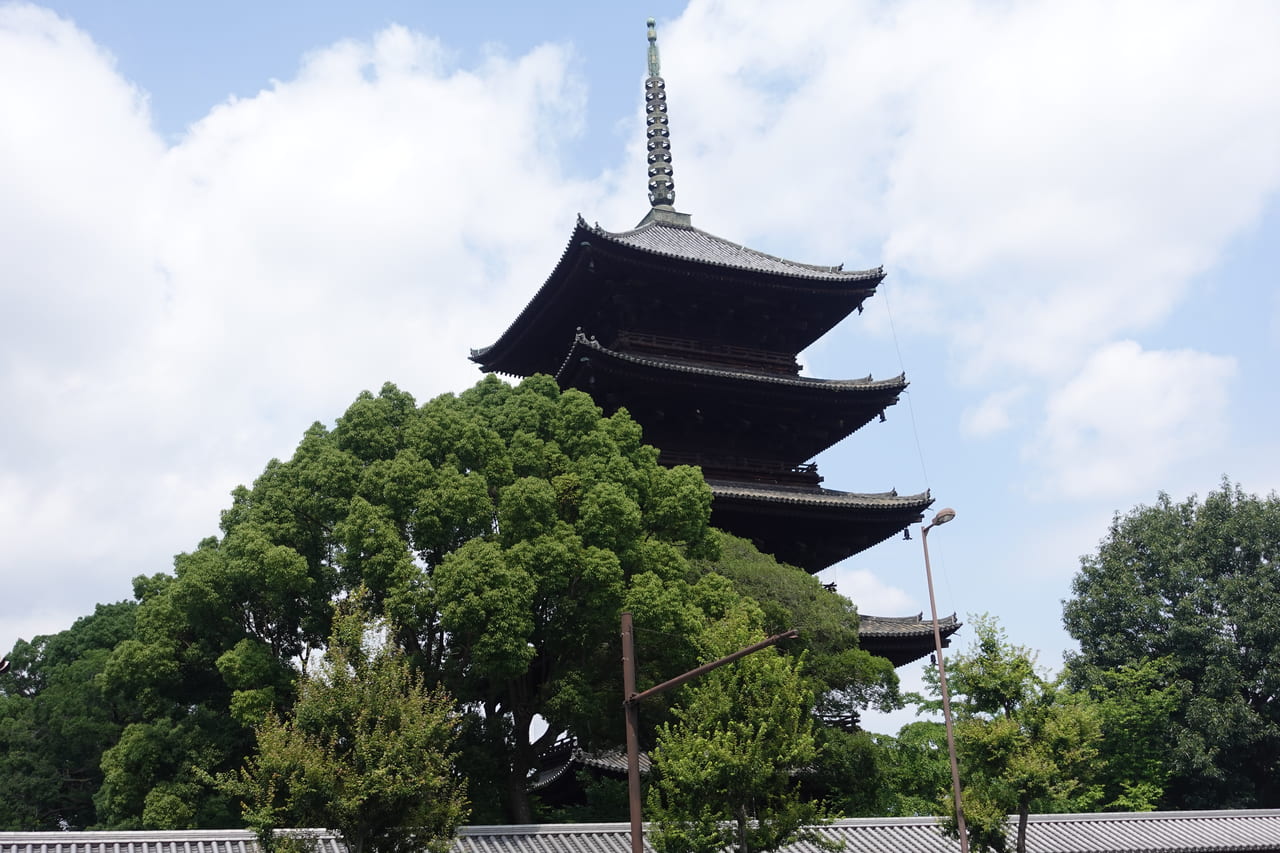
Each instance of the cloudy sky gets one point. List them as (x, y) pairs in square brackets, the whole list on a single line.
[(220, 222)]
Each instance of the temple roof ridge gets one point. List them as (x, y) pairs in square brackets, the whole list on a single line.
[(902, 625), (660, 236)]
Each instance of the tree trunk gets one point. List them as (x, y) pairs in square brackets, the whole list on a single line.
[(518, 808), (1024, 808)]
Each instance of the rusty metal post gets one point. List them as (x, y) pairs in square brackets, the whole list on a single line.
[(631, 705), (633, 731)]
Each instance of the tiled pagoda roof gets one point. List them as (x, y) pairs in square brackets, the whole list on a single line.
[(896, 383), (903, 639), (903, 626), (818, 496), (808, 526), (611, 761), (676, 239), (597, 265)]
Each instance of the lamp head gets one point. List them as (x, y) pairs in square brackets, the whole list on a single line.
[(944, 515)]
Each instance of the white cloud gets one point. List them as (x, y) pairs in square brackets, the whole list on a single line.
[(1057, 172), (872, 595), (993, 413), (1130, 417), (176, 315)]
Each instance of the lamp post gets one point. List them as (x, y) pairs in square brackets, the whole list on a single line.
[(942, 517)]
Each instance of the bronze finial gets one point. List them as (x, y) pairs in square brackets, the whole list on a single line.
[(655, 67), (662, 188)]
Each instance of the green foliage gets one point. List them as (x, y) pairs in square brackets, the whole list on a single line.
[(1024, 742), (1136, 704), (724, 764), (844, 678), (55, 722), (1182, 600), (367, 750), (848, 774), (498, 532), (915, 768)]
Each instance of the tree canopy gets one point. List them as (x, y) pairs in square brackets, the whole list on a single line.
[(367, 749), (496, 534), (499, 532), (1183, 599), (725, 764), (55, 722), (1024, 742)]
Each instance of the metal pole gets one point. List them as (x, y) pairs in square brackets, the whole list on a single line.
[(946, 697), (632, 712), (707, 667)]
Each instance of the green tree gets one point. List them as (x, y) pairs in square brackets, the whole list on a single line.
[(1186, 598), (725, 763), (55, 722), (844, 678), (1135, 706), (916, 769), (368, 750), (499, 532), (1024, 742)]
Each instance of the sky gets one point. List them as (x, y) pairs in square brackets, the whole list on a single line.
[(219, 223)]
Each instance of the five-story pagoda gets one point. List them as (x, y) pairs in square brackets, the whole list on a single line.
[(698, 338)]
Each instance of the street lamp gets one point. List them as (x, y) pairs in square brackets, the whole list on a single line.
[(942, 517)]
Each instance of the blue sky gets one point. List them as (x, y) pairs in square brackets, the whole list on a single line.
[(219, 223)]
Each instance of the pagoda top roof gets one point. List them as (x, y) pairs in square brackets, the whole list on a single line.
[(809, 496), (670, 234), (896, 383), (575, 296)]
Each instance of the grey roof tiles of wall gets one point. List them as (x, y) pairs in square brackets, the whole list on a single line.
[(1150, 832)]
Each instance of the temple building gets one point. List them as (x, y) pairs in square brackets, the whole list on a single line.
[(698, 338)]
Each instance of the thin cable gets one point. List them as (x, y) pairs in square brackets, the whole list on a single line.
[(911, 409)]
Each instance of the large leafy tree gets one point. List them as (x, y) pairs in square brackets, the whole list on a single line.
[(1025, 743), (367, 749), (499, 533), (1186, 597), (725, 764), (55, 722)]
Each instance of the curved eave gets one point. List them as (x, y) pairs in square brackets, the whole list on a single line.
[(693, 245), (558, 305), (819, 498), (892, 386), (541, 301), (903, 639), (907, 627), (811, 528)]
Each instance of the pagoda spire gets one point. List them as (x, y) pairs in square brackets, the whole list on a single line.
[(662, 189)]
